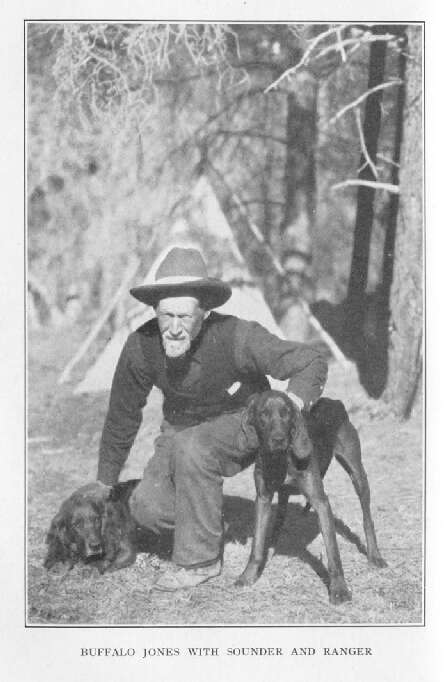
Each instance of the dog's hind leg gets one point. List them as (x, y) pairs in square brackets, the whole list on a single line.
[(348, 454)]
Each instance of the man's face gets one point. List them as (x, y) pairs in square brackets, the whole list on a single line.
[(180, 320)]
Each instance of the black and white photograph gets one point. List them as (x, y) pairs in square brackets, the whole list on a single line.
[(225, 286)]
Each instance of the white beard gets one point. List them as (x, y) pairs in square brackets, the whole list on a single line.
[(175, 348)]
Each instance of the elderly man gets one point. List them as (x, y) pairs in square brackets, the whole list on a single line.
[(206, 366)]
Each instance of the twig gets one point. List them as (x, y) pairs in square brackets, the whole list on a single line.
[(339, 45), (394, 189), (289, 72), (363, 144), (387, 160), (364, 39), (35, 286), (199, 129), (361, 98)]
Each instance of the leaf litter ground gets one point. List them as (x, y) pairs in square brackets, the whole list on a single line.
[(64, 432)]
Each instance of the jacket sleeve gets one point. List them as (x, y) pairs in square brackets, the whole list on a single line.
[(131, 385), (257, 350)]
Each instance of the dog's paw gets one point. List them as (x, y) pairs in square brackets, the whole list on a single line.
[(244, 581), (103, 566), (377, 561), (248, 577), (339, 593)]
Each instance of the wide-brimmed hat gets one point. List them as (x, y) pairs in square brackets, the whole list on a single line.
[(183, 273)]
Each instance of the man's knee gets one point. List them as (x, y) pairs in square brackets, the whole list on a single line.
[(148, 510), (194, 454)]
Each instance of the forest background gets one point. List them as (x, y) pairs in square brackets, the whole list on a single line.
[(310, 133)]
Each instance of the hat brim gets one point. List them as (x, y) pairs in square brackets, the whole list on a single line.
[(210, 292)]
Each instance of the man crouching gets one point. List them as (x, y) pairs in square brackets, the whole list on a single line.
[(206, 365)]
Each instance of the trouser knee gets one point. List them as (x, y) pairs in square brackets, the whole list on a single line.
[(194, 457), (150, 512)]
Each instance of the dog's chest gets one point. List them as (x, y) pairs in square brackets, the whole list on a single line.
[(273, 472), (295, 470)]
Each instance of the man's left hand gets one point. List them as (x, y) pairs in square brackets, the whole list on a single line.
[(298, 402)]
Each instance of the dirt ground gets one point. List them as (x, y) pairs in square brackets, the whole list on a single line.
[(64, 432)]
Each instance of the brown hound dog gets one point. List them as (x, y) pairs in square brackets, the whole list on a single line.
[(94, 524), (293, 454)]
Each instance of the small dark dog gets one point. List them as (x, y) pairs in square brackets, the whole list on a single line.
[(94, 524), (294, 452)]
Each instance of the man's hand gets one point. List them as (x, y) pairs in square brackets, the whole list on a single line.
[(298, 402), (103, 490), (105, 486)]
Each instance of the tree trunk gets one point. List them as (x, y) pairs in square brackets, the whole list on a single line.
[(405, 347), (364, 214), (391, 226), (300, 175)]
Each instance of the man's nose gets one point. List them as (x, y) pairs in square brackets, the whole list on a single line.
[(175, 326)]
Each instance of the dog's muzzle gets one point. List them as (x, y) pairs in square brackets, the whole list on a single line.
[(93, 549), (277, 444)]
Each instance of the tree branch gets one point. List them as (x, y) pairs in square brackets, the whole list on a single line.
[(356, 102), (394, 189), (193, 137), (363, 144), (338, 46), (305, 57)]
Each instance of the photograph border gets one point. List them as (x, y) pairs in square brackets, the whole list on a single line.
[(423, 483)]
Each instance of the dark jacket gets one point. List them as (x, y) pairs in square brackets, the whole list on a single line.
[(227, 351)]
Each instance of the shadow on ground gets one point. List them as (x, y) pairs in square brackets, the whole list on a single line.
[(300, 530)]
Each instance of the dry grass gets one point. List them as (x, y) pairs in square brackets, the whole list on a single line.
[(64, 433)]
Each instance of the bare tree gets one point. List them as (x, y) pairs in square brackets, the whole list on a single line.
[(369, 134), (406, 323)]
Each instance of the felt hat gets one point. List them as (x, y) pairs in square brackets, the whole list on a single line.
[(183, 272)]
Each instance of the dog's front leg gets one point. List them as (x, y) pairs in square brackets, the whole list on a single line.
[(312, 487), (125, 557), (263, 504), (282, 508)]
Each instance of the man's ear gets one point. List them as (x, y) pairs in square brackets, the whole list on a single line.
[(301, 443), (247, 437)]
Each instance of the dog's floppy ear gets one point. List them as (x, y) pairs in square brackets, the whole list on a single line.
[(247, 437), (301, 443), (58, 541)]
